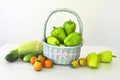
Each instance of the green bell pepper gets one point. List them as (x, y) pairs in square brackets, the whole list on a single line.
[(73, 39), (92, 60), (59, 33), (52, 40), (69, 26), (106, 56)]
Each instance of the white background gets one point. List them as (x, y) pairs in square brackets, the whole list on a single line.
[(23, 20)]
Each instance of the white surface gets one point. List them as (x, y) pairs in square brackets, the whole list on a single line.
[(22, 20), (24, 71)]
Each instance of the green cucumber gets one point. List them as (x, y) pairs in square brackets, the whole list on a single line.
[(22, 55), (12, 56), (27, 57)]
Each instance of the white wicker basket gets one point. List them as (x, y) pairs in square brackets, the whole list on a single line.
[(62, 55)]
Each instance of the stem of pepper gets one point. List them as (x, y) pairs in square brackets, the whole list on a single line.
[(54, 27), (114, 56), (70, 22)]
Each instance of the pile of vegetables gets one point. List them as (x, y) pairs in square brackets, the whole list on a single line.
[(40, 62), (64, 36), (93, 59), (32, 51), (28, 53)]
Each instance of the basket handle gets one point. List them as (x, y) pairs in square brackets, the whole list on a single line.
[(64, 10)]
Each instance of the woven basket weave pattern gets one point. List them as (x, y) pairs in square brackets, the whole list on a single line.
[(61, 55)]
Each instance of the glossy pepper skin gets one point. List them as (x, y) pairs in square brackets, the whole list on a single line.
[(59, 33), (69, 26), (105, 56), (92, 60), (52, 40), (73, 39)]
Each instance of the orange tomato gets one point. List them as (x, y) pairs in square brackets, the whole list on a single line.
[(82, 61), (37, 66), (33, 60), (48, 63), (41, 58), (74, 64)]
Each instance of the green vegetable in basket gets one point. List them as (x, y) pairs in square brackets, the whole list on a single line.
[(52, 40), (69, 26), (92, 60), (73, 39), (59, 33), (106, 56), (61, 44)]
